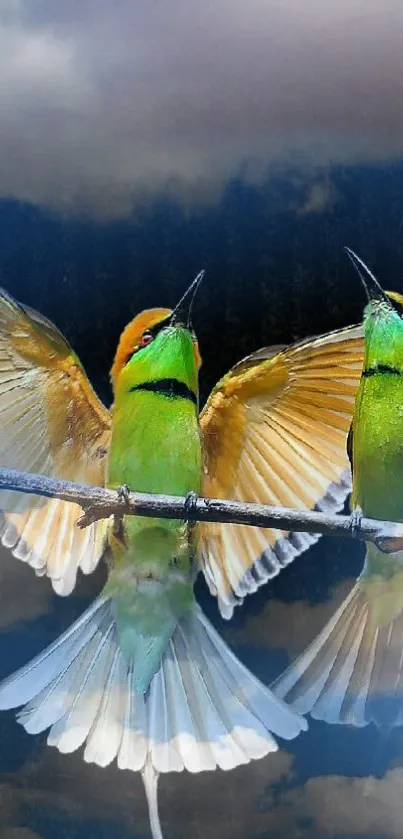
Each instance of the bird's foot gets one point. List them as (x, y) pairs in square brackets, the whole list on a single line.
[(191, 504), (355, 522), (190, 511), (124, 498), (387, 545), (124, 494)]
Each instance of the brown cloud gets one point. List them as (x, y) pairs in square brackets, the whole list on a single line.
[(224, 805), (10, 815), (340, 806), (321, 196), (246, 801), (97, 107), (290, 626), (23, 597)]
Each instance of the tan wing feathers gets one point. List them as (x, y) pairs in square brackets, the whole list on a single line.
[(51, 422), (274, 431)]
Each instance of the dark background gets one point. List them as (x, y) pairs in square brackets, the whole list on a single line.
[(275, 272)]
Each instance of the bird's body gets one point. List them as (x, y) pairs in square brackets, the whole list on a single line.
[(155, 447), (378, 467), (352, 672), (142, 677), (378, 419)]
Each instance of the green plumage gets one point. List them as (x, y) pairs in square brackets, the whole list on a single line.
[(378, 417), (378, 451), (155, 447)]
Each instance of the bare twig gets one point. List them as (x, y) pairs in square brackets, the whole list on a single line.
[(98, 503)]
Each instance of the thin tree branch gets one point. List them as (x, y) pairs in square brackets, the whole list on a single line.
[(98, 503)]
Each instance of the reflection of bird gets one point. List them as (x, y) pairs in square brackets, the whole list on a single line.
[(353, 671), (142, 676)]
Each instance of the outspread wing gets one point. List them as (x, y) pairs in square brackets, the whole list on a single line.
[(274, 432), (52, 423)]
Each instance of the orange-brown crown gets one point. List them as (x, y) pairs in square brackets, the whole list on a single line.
[(130, 337)]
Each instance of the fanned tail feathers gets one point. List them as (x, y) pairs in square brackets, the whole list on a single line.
[(203, 708), (352, 672)]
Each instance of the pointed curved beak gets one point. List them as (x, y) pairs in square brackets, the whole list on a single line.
[(373, 290), (182, 313)]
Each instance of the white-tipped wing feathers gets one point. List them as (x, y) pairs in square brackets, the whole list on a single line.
[(52, 423), (275, 432)]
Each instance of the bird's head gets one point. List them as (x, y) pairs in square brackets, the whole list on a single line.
[(157, 345), (383, 320)]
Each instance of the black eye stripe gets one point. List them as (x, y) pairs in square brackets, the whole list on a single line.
[(159, 326), (154, 330)]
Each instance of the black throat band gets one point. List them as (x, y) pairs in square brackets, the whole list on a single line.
[(170, 388), (380, 369)]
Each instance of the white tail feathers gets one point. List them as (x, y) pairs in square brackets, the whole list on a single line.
[(353, 671), (203, 709)]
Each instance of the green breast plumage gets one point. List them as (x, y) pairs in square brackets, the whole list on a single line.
[(156, 447), (378, 449), (378, 419)]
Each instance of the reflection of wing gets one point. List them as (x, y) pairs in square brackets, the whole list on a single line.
[(52, 423), (274, 432)]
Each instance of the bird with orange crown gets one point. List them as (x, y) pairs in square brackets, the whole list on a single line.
[(142, 677)]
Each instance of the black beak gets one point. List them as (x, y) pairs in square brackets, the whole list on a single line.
[(373, 290), (182, 313)]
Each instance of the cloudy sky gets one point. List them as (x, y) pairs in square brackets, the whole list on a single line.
[(102, 103)]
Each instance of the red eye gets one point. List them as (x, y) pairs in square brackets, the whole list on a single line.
[(146, 339)]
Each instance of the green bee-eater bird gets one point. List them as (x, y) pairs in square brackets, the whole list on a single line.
[(142, 676), (353, 671)]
